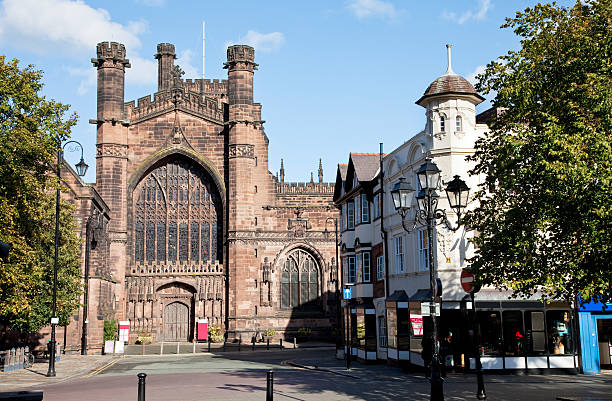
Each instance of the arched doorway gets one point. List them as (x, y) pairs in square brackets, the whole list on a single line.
[(176, 322)]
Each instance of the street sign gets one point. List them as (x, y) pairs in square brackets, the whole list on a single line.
[(347, 293), (467, 281)]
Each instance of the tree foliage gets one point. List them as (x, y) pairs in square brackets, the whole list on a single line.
[(31, 127), (544, 219)]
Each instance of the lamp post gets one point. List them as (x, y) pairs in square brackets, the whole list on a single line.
[(428, 214), (81, 167)]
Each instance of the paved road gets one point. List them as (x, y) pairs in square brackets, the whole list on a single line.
[(242, 376)]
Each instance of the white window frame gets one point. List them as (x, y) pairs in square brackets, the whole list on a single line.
[(442, 124), (380, 267), (366, 267), (376, 206), (382, 331), (365, 209), (423, 250), (342, 213), (398, 243), (350, 215), (351, 270), (357, 219), (458, 124)]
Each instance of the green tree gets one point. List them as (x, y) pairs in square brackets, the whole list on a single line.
[(544, 219), (31, 127)]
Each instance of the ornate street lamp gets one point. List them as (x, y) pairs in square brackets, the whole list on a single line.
[(428, 214), (81, 167)]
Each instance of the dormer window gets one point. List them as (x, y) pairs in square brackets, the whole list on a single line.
[(442, 129), (458, 124)]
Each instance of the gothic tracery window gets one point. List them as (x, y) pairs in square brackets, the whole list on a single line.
[(299, 280), (176, 206)]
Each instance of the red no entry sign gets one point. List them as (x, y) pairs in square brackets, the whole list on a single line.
[(467, 281)]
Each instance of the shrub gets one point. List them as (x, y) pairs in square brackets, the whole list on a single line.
[(110, 330), (270, 332), (214, 334), (144, 337)]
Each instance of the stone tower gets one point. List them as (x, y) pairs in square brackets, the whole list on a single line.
[(242, 123), (112, 146)]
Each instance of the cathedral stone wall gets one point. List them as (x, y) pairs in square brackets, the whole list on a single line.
[(199, 227)]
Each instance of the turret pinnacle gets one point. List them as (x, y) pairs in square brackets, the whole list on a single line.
[(282, 172), (320, 171)]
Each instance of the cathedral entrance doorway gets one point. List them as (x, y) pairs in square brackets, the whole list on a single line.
[(176, 322)]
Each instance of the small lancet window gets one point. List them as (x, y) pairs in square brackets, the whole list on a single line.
[(458, 125), (442, 129)]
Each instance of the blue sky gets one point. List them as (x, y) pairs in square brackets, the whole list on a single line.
[(334, 76)]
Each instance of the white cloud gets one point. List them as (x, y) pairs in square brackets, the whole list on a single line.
[(185, 62), (265, 42), (477, 15), (142, 72), (472, 76), (88, 78), (371, 8), (63, 26)]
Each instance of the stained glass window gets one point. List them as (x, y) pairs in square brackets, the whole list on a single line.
[(177, 215), (299, 281)]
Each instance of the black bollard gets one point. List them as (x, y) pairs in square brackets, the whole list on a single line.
[(239, 343), (270, 385), (223, 345), (209, 345), (281, 344), (141, 386), (253, 340), (268, 344)]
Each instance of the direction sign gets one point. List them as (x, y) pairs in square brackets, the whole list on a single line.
[(467, 281), (347, 293)]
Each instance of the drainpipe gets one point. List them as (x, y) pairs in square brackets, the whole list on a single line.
[(383, 232)]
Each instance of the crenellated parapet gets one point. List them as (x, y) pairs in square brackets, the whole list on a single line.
[(110, 54), (305, 188), (192, 102)]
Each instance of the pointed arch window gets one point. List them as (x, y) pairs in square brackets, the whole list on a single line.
[(442, 124), (299, 281), (458, 124), (177, 216)]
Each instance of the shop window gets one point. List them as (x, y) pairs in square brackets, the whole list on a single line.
[(370, 332), (391, 327), (380, 268), (403, 329), (559, 333), (490, 332), (382, 331), (534, 329), (365, 209), (514, 333), (423, 250)]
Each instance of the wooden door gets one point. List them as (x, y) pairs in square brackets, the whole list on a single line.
[(176, 322)]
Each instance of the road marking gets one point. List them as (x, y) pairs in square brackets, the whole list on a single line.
[(103, 368)]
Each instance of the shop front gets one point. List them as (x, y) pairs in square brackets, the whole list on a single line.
[(595, 323), (363, 332), (525, 335)]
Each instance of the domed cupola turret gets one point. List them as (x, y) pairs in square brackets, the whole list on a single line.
[(450, 84)]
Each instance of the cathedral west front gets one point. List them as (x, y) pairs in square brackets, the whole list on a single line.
[(189, 222)]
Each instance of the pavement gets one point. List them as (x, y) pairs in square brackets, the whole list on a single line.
[(69, 367), (306, 373)]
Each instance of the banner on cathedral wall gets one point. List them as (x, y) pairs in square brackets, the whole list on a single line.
[(416, 321), (202, 329), (124, 331)]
